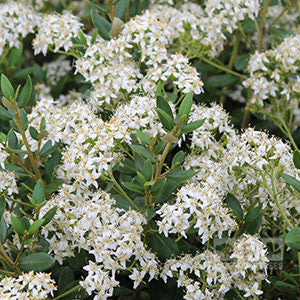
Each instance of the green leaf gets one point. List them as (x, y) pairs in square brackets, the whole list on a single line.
[(163, 104), (252, 220), (178, 158), (147, 169), (40, 261), (280, 32), (134, 187), (25, 72), (2, 205), (25, 93), (221, 80), (141, 176), (291, 181), (165, 119), (143, 137), (185, 106), (235, 206), (165, 247), (35, 226), (52, 163), (241, 62), (289, 277), (12, 140), (3, 230), (66, 276), (249, 26), (121, 8), (33, 132), (48, 149), (17, 225), (286, 288), (159, 184), (100, 7), (82, 38), (38, 194), (296, 159), (53, 186), (101, 24), (24, 119), (16, 55), (149, 212), (181, 176), (4, 114), (192, 126), (158, 90), (43, 124), (49, 215), (292, 239), (144, 152), (6, 88)]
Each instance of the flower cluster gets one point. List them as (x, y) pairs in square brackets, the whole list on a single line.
[(90, 221), (56, 31), (242, 164), (56, 70), (273, 79), (30, 286), (215, 276), (88, 141), (16, 21), (199, 205), (7, 179), (113, 67), (207, 28)]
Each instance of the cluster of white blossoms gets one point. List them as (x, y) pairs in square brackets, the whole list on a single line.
[(56, 31), (113, 67), (56, 69), (140, 113), (209, 26), (242, 164), (200, 206), (274, 79), (90, 221), (209, 276), (109, 67), (29, 286), (16, 21), (89, 143), (7, 178)]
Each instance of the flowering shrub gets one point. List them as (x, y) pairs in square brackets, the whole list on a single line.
[(128, 170)]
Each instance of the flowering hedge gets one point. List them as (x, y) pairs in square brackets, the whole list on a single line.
[(135, 160)]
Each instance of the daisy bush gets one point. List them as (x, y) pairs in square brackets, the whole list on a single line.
[(149, 149)]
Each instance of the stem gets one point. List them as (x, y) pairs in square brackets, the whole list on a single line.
[(193, 222), (287, 132), (273, 180), (8, 260), (223, 68), (121, 191), (246, 116), (245, 36), (235, 50), (9, 273), (281, 14), (64, 52), (162, 160), (25, 141), (238, 293), (75, 288), (262, 14), (19, 162), (18, 201)]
